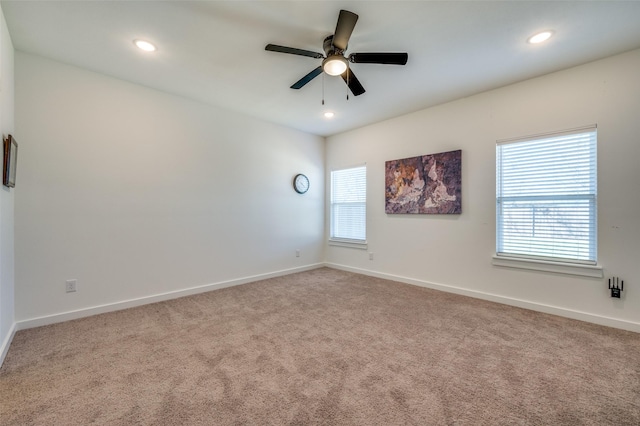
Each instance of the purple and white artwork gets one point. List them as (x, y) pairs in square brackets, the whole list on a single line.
[(428, 184)]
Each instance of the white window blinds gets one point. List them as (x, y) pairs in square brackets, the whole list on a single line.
[(349, 204), (546, 197)]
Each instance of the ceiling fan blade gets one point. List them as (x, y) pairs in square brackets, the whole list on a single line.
[(354, 84), (307, 78), (379, 58), (346, 22), (293, 51)]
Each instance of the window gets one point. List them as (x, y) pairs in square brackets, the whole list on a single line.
[(546, 197), (349, 205)]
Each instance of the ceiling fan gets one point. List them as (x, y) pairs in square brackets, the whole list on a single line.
[(335, 62)]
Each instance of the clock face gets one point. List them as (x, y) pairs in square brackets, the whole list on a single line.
[(301, 183)]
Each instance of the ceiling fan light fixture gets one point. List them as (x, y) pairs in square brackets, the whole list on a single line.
[(334, 65), (329, 114)]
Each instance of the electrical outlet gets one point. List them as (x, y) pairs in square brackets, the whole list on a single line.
[(71, 286), (370, 255), (298, 253)]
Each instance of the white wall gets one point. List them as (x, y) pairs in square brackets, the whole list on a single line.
[(6, 194), (453, 252), (137, 193)]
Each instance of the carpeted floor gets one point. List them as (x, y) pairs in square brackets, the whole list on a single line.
[(322, 347)]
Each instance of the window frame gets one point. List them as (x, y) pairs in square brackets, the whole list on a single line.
[(344, 241), (589, 268)]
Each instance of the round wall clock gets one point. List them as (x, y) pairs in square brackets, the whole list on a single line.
[(301, 183)]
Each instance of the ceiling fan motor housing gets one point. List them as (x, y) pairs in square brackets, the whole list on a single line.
[(329, 48)]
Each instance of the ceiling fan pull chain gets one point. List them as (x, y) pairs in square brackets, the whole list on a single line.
[(322, 88)]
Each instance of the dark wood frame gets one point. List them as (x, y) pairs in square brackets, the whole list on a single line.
[(10, 162)]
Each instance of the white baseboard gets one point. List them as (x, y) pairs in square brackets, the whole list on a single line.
[(6, 343), (548, 309), (95, 310), (131, 303)]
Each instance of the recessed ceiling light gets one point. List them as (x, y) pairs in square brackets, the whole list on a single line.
[(145, 45), (540, 37), (329, 114)]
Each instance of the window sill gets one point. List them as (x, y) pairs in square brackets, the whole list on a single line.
[(361, 245), (593, 271)]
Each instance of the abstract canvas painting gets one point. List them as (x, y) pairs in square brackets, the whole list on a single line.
[(428, 184)]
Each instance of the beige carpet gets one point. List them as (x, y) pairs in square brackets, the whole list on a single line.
[(322, 347)]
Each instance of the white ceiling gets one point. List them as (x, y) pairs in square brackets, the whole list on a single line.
[(213, 51)]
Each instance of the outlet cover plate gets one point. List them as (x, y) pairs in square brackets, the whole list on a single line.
[(71, 286)]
